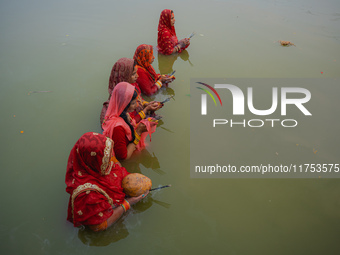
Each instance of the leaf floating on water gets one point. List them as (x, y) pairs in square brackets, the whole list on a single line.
[(286, 43), (42, 91)]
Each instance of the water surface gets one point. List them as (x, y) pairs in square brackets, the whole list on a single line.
[(69, 47)]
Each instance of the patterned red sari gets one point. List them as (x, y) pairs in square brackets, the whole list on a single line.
[(93, 180), (167, 38), (147, 76)]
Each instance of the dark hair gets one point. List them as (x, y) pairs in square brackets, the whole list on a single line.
[(123, 115)]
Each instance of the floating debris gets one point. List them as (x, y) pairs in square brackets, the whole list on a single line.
[(42, 91), (21, 132), (286, 43), (315, 151), (201, 34), (321, 72), (277, 154)]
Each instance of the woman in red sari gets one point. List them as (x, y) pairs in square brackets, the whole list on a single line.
[(167, 39), (148, 81), (93, 180), (125, 70), (120, 127)]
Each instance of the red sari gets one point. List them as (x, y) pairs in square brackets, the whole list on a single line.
[(93, 180), (147, 76), (167, 38)]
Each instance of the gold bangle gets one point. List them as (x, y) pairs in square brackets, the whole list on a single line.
[(137, 138), (137, 135), (142, 114)]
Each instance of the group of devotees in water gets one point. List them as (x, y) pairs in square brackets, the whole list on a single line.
[(94, 174)]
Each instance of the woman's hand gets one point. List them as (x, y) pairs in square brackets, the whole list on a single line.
[(141, 128), (152, 106), (165, 79), (134, 200), (184, 42)]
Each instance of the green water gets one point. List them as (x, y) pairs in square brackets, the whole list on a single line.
[(69, 47)]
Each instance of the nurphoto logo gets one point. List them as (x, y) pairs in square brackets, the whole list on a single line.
[(239, 98)]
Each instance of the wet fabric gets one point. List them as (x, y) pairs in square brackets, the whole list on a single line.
[(93, 180)]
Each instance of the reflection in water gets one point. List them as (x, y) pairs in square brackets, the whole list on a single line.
[(166, 62), (163, 93), (81, 42), (118, 230), (168, 130), (161, 203), (111, 235), (146, 159)]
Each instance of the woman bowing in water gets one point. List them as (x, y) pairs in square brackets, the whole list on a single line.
[(94, 182), (167, 39)]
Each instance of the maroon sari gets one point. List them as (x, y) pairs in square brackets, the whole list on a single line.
[(121, 71)]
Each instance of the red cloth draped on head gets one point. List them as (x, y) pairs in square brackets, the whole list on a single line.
[(93, 180), (121, 97), (121, 71), (167, 38), (143, 56)]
